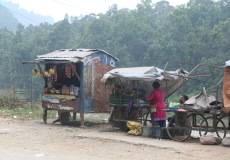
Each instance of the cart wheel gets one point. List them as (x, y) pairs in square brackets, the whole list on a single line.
[(178, 131), (217, 128), (221, 129), (135, 115), (119, 114), (226, 121), (195, 121)]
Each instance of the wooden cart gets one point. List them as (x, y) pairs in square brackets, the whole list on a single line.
[(129, 88)]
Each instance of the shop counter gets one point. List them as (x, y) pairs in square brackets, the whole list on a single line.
[(59, 102)]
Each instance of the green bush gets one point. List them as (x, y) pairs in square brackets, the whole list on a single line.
[(6, 98)]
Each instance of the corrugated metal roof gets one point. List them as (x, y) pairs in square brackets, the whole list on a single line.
[(227, 63), (71, 54)]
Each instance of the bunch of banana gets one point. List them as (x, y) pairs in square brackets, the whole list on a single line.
[(47, 74), (174, 104), (39, 74), (135, 127), (51, 71), (34, 71)]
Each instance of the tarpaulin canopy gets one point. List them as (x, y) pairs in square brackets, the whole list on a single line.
[(143, 77)]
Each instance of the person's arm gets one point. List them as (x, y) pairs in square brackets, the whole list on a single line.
[(151, 96)]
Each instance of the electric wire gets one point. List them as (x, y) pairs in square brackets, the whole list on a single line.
[(72, 5), (19, 14)]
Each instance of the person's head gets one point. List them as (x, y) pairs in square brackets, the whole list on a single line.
[(183, 98), (156, 85)]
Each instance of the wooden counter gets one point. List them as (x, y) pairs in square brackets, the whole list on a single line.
[(60, 102)]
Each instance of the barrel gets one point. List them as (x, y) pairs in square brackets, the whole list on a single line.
[(88, 105)]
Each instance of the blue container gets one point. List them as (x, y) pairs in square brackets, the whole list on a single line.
[(76, 91), (88, 105)]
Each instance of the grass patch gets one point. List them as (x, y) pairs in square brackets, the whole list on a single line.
[(26, 111)]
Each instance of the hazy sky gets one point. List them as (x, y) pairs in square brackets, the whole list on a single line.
[(58, 8)]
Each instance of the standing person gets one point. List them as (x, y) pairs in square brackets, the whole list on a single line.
[(156, 99)]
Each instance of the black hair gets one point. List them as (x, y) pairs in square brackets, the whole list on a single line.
[(156, 84), (185, 97)]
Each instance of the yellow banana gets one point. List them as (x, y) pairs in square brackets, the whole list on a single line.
[(34, 71), (51, 71), (47, 74)]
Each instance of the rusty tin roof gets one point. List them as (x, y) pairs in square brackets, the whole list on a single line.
[(73, 55)]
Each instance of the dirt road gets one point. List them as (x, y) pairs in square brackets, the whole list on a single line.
[(32, 140)]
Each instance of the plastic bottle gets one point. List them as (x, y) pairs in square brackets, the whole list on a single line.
[(76, 91), (67, 90), (63, 90), (71, 89)]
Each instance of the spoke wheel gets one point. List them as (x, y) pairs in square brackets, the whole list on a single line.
[(118, 119), (195, 120), (178, 131), (135, 115), (216, 129), (220, 129)]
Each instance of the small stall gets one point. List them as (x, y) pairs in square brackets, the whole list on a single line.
[(130, 86), (72, 81)]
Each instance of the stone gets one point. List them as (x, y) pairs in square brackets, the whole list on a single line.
[(210, 140), (218, 140), (226, 142)]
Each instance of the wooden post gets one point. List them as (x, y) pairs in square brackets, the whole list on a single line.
[(82, 95), (44, 116)]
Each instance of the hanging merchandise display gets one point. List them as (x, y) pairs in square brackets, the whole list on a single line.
[(73, 67), (34, 71), (68, 70), (39, 74), (55, 72), (47, 74)]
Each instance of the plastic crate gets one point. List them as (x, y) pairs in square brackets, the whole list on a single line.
[(115, 99), (120, 100), (127, 99), (159, 132), (146, 131)]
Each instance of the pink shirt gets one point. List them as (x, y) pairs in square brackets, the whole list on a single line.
[(157, 99)]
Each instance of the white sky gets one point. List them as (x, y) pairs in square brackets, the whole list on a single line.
[(58, 8)]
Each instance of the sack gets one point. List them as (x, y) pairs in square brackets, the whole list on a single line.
[(135, 127)]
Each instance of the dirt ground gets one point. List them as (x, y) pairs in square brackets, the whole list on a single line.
[(32, 140)]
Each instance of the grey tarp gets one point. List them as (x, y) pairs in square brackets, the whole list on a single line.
[(198, 103), (144, 76)]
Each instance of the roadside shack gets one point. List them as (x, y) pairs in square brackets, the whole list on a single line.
[(72, 81)]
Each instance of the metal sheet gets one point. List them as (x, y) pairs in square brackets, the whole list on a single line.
[(71, 54)]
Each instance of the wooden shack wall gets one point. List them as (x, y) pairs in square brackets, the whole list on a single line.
[(95, 66), (101, 94), (94, 88)]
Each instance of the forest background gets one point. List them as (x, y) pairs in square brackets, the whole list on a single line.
[(149, 35)]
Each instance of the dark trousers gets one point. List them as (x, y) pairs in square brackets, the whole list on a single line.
[(161, 123)]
